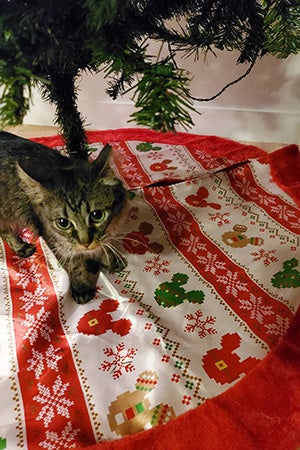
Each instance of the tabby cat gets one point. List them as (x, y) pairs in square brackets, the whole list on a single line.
[(73, 204)]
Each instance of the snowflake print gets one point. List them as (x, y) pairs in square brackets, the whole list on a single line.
[(266, 199), (284, 213), (233, 285), (39, 361), (279, 327), (63, 440), (37, 325), (220, 218), (204, 327), (256, 307), (266, 257), (122, 360), (163, 201), (192, 244), (154, 156), (28, 275), (157, 266), (53, 400), (179, 222), (210, 263), (211, 162), (35, 298)]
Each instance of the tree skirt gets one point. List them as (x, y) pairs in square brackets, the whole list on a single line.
[(196, 341)]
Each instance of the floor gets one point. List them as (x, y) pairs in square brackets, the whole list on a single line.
[(37, 131)]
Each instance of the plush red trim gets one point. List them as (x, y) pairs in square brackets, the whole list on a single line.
[(284, 163), (217, 146), (285, 170)]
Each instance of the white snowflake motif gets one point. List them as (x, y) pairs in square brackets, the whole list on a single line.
[(210, 263), (63, 440), (220, 218), (256, 307), (154, 156), (40, 360), (162, 201), (203, 326), (157, 266), (193, 244), (122, 360), (31, 299), (132, 173), (279, 327), (284, 213), (37, 325), (27, 275), (266, 257), (233, 285), (212, 162), (266, 199), (244, 185), (53, 401), (179, 222)]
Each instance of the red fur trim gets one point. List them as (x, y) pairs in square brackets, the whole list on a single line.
[(285, 170), (212, 144)]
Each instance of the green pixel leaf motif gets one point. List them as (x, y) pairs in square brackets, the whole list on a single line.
[(147, 147), (2, 443), (289, 276), (171, 294)]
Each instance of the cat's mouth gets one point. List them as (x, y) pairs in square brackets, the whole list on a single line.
[(88, 247)]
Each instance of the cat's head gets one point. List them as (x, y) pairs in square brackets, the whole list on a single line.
[(78, 203)]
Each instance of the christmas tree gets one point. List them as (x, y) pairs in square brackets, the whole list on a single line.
[(49, 43)]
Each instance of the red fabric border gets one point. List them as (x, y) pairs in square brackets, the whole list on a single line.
[(284, 163), (217, 146), (285, 170), (261, 411)]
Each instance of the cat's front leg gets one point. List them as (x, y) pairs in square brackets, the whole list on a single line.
[(83, 274), (21, 248)]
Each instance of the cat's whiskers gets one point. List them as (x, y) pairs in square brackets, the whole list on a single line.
[(115, 251), (135, 241), (65, 258), (105, 252)]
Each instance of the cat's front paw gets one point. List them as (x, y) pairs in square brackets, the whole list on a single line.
[(84, 296), (26, 250)]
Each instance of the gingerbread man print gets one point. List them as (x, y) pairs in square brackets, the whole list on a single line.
[(131, 411), (238, 239)]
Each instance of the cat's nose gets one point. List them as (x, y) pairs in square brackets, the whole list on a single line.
[(84, 239)]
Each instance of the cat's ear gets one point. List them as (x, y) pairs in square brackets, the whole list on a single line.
[(101, 163), (101, 169), (33, 169), (32, 176)]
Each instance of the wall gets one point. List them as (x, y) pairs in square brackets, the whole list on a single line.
[(263, 107)]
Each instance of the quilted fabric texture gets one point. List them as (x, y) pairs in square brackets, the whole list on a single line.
[(196, 340)]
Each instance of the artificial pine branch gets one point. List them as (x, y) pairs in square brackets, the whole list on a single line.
[(163, 96), (50, 43), (61, 91), (282, 25)]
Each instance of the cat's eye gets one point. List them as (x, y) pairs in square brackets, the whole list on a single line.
[(97, 216), (63, 223)]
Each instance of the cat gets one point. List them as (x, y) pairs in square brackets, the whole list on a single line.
[(74, 205)]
